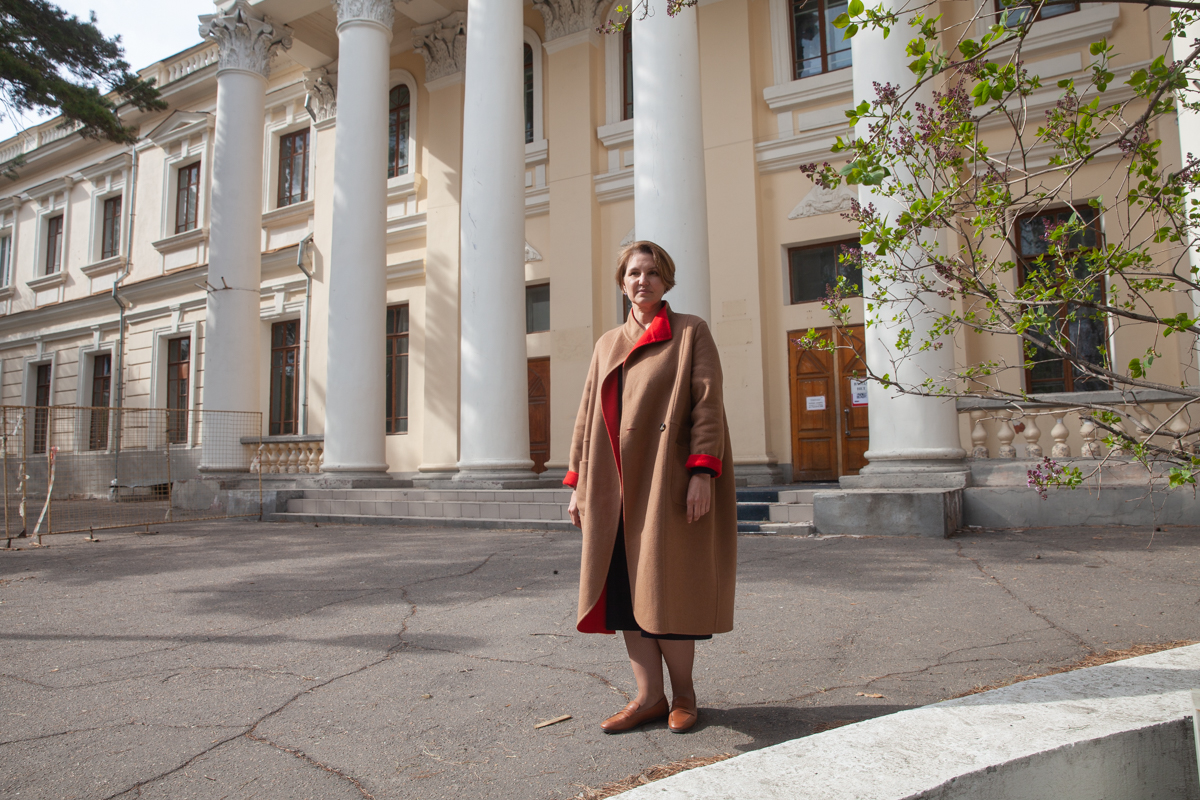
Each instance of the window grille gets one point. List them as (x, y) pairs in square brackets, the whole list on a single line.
[(179, 365), (285, 386)]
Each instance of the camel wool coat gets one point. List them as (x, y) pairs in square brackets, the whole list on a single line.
[(635, 456)]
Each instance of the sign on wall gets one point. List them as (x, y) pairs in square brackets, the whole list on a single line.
[(816, 403), (858, 392)]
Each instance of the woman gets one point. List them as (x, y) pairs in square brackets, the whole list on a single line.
[(652, 470)]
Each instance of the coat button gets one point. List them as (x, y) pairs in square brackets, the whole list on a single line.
[(662, 427)]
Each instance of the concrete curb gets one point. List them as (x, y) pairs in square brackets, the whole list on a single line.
[(1118, 730)]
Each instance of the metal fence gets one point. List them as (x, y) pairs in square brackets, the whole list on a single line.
[(69, 469)]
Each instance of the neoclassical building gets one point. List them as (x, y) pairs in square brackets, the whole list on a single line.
[(395, 225)]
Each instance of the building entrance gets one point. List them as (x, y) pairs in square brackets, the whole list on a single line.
[(829, 406)]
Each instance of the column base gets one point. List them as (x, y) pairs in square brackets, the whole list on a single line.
[(358, 479), (931, 469), (500, 475), (936, 513)]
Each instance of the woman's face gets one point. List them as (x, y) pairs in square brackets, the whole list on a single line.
[(643, 283)]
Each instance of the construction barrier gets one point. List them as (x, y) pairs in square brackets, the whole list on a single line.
[(69, 469)]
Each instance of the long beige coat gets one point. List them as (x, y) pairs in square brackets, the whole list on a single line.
[(672, 418)]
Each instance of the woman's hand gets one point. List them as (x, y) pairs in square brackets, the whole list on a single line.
[(699, 497), (573, 511)]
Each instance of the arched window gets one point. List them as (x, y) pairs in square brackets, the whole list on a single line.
[(528, 93), (627, 71), (399, 119)]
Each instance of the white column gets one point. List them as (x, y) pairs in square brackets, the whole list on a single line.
[(669, 193), (495, 400), (914, 441), (355, 391), (233, 327), (1189, 142)]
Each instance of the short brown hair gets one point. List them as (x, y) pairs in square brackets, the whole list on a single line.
[(664, 262)]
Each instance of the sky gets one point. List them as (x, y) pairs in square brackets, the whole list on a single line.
[(150, 31)]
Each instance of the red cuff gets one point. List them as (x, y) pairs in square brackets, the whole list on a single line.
[(571, 480), (709, 462)]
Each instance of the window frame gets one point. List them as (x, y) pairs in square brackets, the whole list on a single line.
[(286, 164), (529, 310), (796, 61), (182, 192), (41, 418), (55, 228), (788, 265), (283, 425), (394, 138), (178, 433), (110, 226), (6, 258), (625, 71), (100, 383), (1068, 374), (1000, 8), (396, 423)]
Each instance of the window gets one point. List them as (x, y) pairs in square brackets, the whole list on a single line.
[(397, 369), (101, 392), (1018, 10), (54, 243), (1084, 329), (41, 415), (813, 271), (179, 366), (187, 198), (285, 388), (398, 122), (5, 260), (627, 71), (817, 46), (537, 308), (528, 94), (110, 228), (293, 168)]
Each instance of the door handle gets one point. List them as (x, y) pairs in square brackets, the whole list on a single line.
[(846, 426)]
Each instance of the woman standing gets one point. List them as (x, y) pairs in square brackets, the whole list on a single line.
[(652, 470)]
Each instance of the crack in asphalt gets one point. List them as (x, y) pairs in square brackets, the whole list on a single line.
[(1070, 634), (250, 732)]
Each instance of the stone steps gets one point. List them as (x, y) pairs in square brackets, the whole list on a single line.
[(761, 510)]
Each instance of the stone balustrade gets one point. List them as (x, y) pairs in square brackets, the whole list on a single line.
[(286, 455), (190, 62), (1020, 429)]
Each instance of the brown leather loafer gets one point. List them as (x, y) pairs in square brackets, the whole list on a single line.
[(631, 716), (683, 715)]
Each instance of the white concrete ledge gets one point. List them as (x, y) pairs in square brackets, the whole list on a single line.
[(1122, 730)]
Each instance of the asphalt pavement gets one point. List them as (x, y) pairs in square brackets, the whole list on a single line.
[(248, 660)]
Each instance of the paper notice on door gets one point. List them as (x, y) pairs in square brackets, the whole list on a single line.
[(858, 393), (816, 403)]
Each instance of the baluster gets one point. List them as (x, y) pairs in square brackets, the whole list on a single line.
[(1146, 423), (319, 456), (1032, 434), (1087, 431), (302, 467), (1005, 434), (1060, 433), (293, 460), (979, 435), (256, 461), (274, 454)]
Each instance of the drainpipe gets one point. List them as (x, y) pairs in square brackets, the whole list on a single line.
[(124, 305), (301, 251)]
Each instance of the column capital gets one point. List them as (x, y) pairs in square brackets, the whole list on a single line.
[(380, 12), (246, 42), (444, 45), (564, 17), (321, 101)]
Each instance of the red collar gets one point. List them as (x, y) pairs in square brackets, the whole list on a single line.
[(659, 329)]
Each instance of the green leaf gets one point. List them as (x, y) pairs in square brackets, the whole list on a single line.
[(850, 31), (841, 21), (856, 7)]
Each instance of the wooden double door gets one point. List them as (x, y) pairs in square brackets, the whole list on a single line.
[(539, 412), (829, 405)]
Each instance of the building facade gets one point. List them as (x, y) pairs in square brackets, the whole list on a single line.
[(396, 225)]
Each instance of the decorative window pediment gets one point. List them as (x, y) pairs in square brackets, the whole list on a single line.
[(181, 125)]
